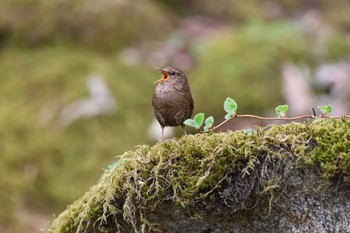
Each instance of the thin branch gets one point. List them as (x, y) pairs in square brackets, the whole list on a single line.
[(222, 123), (335, 117), (277, 118)]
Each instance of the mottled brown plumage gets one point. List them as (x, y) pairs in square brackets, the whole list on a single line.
[(172, 99)]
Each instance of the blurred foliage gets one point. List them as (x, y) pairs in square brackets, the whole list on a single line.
[(245, 65), (47, 49), (44, 164), (337, 13), (104, 25), (240, 11), (337, 47)]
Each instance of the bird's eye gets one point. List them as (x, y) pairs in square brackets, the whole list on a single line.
[(172, 73)]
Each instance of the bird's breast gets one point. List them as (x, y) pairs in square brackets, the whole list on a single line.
[(169, 93)]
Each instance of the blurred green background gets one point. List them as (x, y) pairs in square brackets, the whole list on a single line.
[(48, 48)]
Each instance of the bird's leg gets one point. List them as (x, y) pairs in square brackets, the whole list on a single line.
[(162, 133), (183, 126)]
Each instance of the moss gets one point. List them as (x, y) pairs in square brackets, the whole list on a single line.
[(199, 167)]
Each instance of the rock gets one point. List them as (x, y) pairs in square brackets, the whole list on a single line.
[(286, 178)]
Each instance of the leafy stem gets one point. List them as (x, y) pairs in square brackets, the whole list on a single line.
[(230, 107)]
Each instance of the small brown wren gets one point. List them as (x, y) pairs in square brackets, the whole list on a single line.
[(172, 99)]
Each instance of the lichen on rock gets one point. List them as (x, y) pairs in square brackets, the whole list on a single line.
[(281, 178)]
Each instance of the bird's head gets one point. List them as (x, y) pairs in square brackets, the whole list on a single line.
[(170, 73)]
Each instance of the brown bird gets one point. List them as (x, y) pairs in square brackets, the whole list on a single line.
[(172, 99)]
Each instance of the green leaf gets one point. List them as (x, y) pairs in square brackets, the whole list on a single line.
[(228, 116), (190, 123), (325, 109), (209, 123), (230, 106), (281, 110), (116, 164), (199, 119), (249, 131)]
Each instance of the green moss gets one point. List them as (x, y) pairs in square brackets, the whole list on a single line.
[(198, 167), (333, 148)]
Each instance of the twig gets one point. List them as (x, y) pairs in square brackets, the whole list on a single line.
[(277, 118), (222, 123), (335, 117)]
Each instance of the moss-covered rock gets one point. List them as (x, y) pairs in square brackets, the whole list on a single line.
[(285, 178)]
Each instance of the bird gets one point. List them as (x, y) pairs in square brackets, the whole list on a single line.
[(172, 99)]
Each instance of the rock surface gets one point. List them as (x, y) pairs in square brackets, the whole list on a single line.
[(300, 209), (288, 178)]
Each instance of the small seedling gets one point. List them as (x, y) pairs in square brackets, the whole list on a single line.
[(196, 122), (325, 109), (230, 107), (209, 123), (281, 111)]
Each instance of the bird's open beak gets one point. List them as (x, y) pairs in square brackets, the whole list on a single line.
[(164, 75)]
